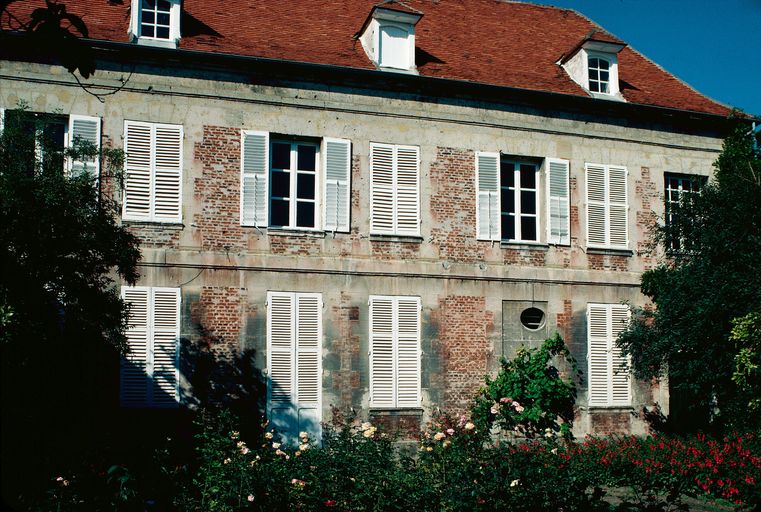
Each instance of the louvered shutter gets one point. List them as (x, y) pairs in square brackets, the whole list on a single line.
[(84, 128), (407, 352), (620, 378), (488, 208), (597, 222), (618, 207), (2, 119), (138, 181), (309, 362), (337, 158), (281, 321), (382, 191), (382, 336), (609, 381), (163, 357), (167, 182), (254, 178), (558, 202), (407, 190), (133, 388)]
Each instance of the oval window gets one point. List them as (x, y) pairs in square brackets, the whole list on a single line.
[(532, 318)]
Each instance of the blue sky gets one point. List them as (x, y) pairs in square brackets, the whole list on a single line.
[(713, 45)]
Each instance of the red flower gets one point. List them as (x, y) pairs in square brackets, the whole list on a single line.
[(330, 503)]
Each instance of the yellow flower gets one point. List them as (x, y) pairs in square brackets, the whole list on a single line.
[(268, 435), (439, 436), (469, 426), (275, 445)]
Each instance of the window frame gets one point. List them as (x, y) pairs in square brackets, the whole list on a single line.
[(293, 171), (697, 182), (174, 25), (600, 83), (517, 190), (409, 42)]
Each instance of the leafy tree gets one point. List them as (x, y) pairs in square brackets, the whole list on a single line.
[(699, 291), (61, 318)]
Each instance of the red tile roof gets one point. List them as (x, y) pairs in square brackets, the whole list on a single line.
[(494, 42)]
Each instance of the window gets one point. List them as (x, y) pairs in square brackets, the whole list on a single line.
[(599, 75), (394, 51), (153, 168), (45, 136), (607, 207), (295, 183), (294, 363), (394, 352), (149, 374), (157, 21), (395, 189), (679, 187), (509, 200), (388, 38), (609, 383)]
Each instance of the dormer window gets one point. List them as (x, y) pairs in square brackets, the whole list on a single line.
[(156, 22), (593, 64), (599, 75), (388, 36)]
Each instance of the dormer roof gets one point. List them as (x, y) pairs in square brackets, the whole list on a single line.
[(498, 43)]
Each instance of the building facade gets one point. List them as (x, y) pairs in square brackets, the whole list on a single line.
[(373, 206)]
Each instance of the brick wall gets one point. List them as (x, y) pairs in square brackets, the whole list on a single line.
[(646, 191), (217, 190), (155, 234), (463, 323), (343, 343)]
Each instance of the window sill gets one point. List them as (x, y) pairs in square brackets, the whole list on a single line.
[(609, 408), (159, 43), (167, 223), (295, 232), (412, 411), (610, 252), (397, 238), (524, 246)]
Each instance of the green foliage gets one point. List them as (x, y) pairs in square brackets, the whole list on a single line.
[(746, 334), (698, 292), (530, 395)]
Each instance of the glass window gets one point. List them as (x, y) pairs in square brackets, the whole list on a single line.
[(599, 75), (679, 187), (293, 185), (520, 220), (155, 19)]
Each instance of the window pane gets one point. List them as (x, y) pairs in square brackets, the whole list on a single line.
[(593, 75), (508, 200), (147, 31), (305, 215), (162, 18), (604, 76), (528, 176), (594, 87), (602, 64), (528, 228), (148, 17), (508, 227), (508, 175), (163, 5), (162, 32), (281, 155), (593, 63), (306, 160), (528, 201), (281, 184), (149, 4), (305, 186), (279, 212)]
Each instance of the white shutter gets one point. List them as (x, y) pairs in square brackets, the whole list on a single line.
[(488, 210), (138, 164), (597, 221), (337, 158), (382, 385), (254, 178), (163, 357), (618, 207), (167, 182), (620, 378), (85, 128), (558, 202), (281, 322), (309, 362), (407, 190), (609, 382), (2, 119), (382, 190), (408, 352), (133, 387)]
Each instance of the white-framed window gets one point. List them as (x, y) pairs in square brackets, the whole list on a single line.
[(678, 188), (294, 363), (509, 203), (295, 183), (607, 206), (149, 371), (394, 351), (609, 377), (56, 132), (156, 21), (394, 189), (598, 71), (153, 172), (394, 43)]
